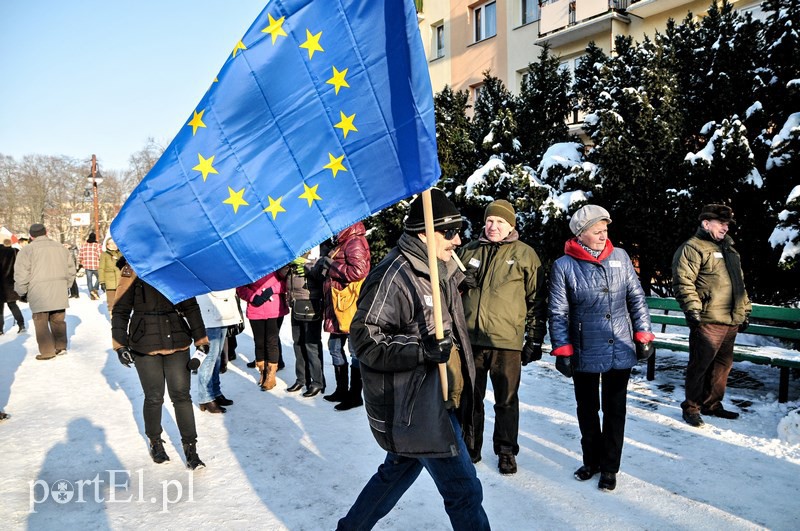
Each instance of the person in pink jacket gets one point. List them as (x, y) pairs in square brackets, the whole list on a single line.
[(266, 306)]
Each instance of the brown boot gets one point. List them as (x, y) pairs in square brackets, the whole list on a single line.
[(212, 407), (272, 369), (262, 371)]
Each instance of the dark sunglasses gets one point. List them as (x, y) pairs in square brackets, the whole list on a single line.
[(449, 234)]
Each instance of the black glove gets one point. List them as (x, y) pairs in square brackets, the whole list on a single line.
[(103, 286), (693, 318), (323, 265), (200, 352), (564, 365), (470, 279), (437, 350), (644, 350), (531, 352), (23, 298), (125, 356), (745, 323), (203, 348), (266, 295)]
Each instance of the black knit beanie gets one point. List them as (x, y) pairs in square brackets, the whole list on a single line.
[(445, 214)]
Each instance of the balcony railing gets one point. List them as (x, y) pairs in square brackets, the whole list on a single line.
[(560, 14)]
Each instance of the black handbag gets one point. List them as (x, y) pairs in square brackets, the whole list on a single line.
[(307, 310)]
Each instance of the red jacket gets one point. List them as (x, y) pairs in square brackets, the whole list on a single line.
[(276, 307), (350, 262)]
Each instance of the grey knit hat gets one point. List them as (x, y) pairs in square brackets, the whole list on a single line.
[(587, 216), (36, 230)]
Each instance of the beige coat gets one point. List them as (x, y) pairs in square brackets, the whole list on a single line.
[(44, 272)]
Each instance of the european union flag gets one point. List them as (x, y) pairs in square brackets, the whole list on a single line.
[(321, 116)]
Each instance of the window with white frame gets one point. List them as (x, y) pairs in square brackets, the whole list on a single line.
[(438, 40), (476, 93), (530, 10), (485, 20)]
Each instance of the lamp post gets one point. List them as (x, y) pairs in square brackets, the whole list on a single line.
[(95, 178)]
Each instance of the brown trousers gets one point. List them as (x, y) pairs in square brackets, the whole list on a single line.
[(710, 362), (51, 331)]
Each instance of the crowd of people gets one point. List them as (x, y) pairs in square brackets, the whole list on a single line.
[(421, 374)]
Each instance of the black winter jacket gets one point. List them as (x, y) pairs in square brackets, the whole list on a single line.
[(154, 326), (402, 393)]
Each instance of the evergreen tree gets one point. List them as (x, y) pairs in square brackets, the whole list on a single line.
[(494, 97), (544, 105), (457, 154)]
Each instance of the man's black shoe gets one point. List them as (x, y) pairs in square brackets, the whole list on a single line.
[(294, 387), (475, 458), (507, 464), (693, 419), (251, 364), (721, 413), (608, 481), (586, 472)]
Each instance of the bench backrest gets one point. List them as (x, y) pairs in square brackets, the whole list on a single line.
[(761, 312)]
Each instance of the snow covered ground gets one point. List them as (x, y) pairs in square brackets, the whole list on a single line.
[(75, 454)]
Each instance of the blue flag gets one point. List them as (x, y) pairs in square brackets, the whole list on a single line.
[(321, 115)]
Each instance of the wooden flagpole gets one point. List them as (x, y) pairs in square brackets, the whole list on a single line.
[(427, 211)]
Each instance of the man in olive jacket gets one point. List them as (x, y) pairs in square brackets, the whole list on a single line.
[(504, 304), (43, 273), (708, 282)]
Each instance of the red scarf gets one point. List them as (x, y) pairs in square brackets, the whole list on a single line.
[(575, 250)]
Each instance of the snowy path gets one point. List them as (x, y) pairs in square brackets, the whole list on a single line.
[(280, 461)]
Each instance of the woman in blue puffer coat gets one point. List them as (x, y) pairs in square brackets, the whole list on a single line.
[(599, 327)]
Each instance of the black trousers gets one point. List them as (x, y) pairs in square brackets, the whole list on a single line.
[(307, 338), (153, 372), (15, 311), (504, 368), (266, 338), (602, 446), (710, 362)]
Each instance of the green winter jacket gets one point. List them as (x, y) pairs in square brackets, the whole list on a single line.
[(510, 300), (109, 272), (707, 276)]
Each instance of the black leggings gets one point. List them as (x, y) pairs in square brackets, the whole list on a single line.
[(266, 337), (153, 372)]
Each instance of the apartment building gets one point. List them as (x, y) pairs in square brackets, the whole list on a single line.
[(463, 39)]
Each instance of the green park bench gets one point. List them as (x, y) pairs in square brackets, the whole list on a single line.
[(769, 321)]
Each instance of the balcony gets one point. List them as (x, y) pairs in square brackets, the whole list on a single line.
[(648, 8), (565, 21)]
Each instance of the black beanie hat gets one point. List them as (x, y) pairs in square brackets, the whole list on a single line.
[(92, 238), (445, 214)]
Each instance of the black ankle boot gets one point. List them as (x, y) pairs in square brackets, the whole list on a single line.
[(353, 398), (340, 393), (192, 459), (157, 451)]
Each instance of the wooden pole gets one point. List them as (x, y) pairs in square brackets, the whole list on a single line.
[(94, 192), (433, 265)]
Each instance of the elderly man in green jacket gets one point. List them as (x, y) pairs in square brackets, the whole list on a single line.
[(505, 307), (708, 283)]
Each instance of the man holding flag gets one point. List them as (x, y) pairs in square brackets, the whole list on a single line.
[(394, 335)]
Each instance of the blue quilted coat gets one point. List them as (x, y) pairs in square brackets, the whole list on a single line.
[(596, 305)]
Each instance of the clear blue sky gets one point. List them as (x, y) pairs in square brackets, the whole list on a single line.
[(101, 76)]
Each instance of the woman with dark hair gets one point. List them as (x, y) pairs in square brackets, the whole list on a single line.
[(599, 328), (153, 334)]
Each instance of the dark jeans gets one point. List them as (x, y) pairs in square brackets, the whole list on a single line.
[(153, 372), (51, 331), (92, 279), (710, 362), (307, 338), (15, 311), (266, 337), (602, 447), (504, 368), (455, 478)]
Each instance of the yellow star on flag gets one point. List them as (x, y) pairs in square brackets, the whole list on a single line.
[(205, 167), (310, 194), (346, 123), (338, 79), (274, 206), (239, 46), (197, 121), (335, 164), (235, 199), (312, 43), (275, 28)]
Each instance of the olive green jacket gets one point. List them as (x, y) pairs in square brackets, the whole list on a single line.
[(510, 300), (707, 276)]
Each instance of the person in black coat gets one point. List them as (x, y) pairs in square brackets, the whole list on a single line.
[(8, 255), (152, 333)]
